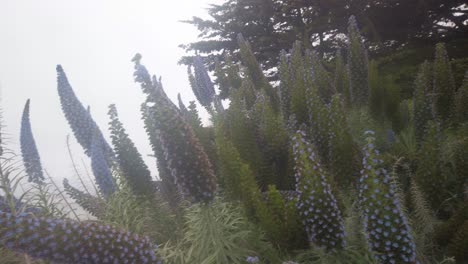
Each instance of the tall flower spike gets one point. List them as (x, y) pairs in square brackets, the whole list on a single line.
[(100, 165), (316, 203), (422, 110), (31, 159), (204, 88), (64, 241), (444, 85), (131, 163), (184, 155), (387, 229), (78, 117), (357, 65)]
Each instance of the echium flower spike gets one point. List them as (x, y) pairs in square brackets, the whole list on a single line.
[(386, 227), (204, 86), (422, 110), (100, 165), (315, 202), (184, 156), (130, 161), (94, 205), (444, 85), (31, 158), (358, 66), (78, 117), (65, 241)]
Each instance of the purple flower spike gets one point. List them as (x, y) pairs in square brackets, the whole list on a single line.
[(31, 159), (316, 204), (387, 229), (65, 241), (204, 88), (81, 122), (100, 166)]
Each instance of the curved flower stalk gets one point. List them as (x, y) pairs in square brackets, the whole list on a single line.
[(81, 122), (316, 203), (65, 241), (100, 165), (387, 229), (358, 65), (31, 158), (186, 160), (93, 205)]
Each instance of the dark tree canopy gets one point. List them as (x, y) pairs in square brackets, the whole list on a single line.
[(274, 25)]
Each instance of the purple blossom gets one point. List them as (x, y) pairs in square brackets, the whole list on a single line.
[(65, 241), (250, 259), (31, 158), (78, 117), (184, 157), (316, 203), (100, 165), (203, 86), (383, 219)]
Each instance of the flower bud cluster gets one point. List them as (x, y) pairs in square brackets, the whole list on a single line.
[(204, 88), (31, 158), (387, 229), (63, 241), (81, 122), (316, 203), (186, 159)]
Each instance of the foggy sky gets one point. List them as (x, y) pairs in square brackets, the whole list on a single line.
[(94, 41)]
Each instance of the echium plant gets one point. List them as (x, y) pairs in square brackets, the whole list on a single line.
[(78, 117), (65, 241), (444, 85), (131, 164), (341, 80), (31, 159), (202, 86), (316, 203), (387, 231), (344, 152), (357, 65), (100, 165), (186, 160), (92, 204), (422, 103)]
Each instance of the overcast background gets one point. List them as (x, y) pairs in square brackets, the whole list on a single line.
[(94, 41)]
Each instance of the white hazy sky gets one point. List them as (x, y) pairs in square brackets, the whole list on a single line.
[(94, 41)]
